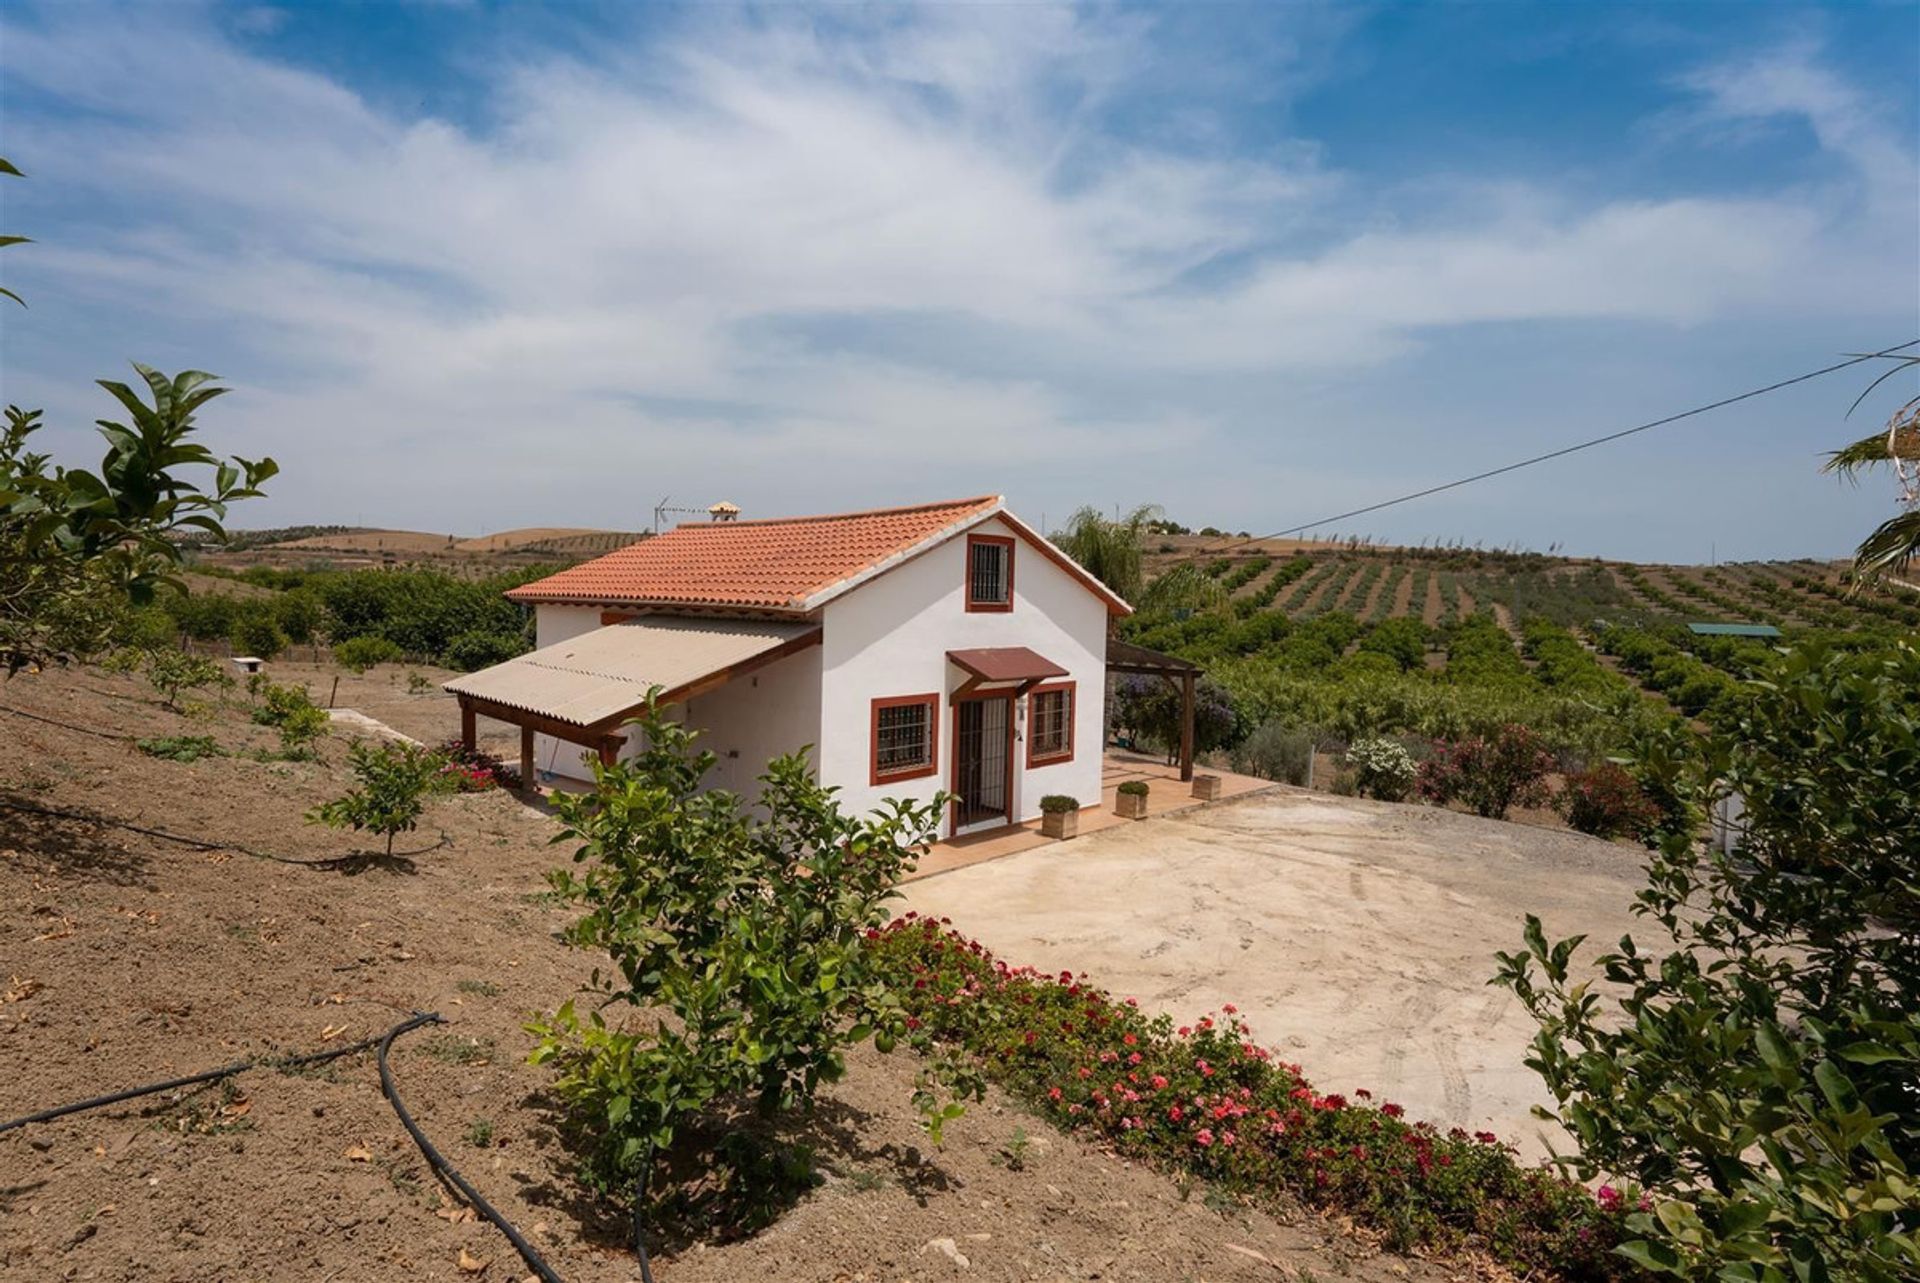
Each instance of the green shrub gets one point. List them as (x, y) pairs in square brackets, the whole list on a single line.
[(362, 653), (1490, 776), (171, 670), (744, 926), (1345, 784), (179, 748), (1058, 803), (1606, 801), (291, 711), (258, 633), (1275, 752), (1402, 640), (1382, 769), (1132, 788), (1754, 1067), (395, 780), (474, 650)]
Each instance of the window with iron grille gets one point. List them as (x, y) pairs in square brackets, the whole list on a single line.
[(989, 573), (903, 736), (1050, 723)]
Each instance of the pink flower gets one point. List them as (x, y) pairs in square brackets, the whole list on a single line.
[(1159, 1082), (1204, 1136)]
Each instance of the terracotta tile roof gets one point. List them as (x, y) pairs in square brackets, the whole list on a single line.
[(767, 565)]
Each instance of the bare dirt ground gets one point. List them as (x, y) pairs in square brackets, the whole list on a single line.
[(1358, 936), (128, 959)]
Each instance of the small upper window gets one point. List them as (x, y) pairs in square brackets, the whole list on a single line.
[(989, 573)]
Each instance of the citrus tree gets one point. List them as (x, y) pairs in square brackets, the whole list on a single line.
[(1755, 1070), (75, 543), (734, 946), (394, 782)]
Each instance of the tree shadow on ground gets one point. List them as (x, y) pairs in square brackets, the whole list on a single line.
[(72, 846), (731, 1177)]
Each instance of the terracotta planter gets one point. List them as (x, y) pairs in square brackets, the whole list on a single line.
[(1207, 787), (1131, 806), (1059, 825)]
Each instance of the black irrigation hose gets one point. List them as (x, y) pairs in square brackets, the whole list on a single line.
[(381, 1045), (639, 1206), (440, 1164), (213, 1075), (66, 726)]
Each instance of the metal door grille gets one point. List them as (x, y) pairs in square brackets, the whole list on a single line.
[(982, 761)]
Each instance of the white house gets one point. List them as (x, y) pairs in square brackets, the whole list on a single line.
[(940, 646)]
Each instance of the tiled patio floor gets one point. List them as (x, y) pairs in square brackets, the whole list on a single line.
[(1165, 794)]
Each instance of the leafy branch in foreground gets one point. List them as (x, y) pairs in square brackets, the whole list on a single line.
[(1757, 1073), (735, 944), (1895, 543), (73, 542)]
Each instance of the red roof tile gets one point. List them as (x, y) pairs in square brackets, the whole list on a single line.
[(768, 565)]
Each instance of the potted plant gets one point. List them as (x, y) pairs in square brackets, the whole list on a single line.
[(1059, 816), (1131, 800)]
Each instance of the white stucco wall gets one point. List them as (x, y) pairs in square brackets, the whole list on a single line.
[(891, 636)]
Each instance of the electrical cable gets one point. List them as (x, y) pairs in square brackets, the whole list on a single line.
[(1557, 454), (65, 726)]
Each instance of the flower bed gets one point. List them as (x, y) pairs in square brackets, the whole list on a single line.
[(475, 771), (1207, 1101)]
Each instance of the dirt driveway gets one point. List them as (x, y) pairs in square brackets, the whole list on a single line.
[(1357, 936)]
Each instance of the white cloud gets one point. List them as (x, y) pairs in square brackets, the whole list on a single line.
[(536, 292)]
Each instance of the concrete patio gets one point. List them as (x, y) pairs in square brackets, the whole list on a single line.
[(1167, 794)]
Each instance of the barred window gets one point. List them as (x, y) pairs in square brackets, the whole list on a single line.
[(903, 732), (989, 573), (1050, 723)]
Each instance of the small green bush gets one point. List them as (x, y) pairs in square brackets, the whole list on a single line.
[(291, 711), (1382, 769), (395, 781), (171, 670), (257, 632), (1275, 752), (472, 650), (362, 653), (179, 748), (1133, 788), (1057, 803)]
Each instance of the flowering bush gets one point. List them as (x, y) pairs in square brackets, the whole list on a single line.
[(472, 770), (1382, 769), (1606, 801), (1207, 1100), (1490, 775)]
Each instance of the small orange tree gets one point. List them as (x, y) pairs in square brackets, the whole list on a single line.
[(738, 935)]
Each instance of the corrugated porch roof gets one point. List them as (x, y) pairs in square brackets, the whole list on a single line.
[(603, 676)]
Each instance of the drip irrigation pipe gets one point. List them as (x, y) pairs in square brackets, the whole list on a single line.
[(381, 1046), (214, 1075), (439, 1161), (66, 726)]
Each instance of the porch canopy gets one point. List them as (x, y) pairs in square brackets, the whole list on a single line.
[(1181, 674), (581, 690)]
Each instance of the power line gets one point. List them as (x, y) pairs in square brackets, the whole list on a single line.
[(1560, 453)]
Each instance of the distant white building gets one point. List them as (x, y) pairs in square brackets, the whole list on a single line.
[(941, 646)]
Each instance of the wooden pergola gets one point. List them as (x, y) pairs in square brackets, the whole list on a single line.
[(1181, 674)]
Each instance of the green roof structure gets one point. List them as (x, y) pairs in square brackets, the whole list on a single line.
[(1733, 630)]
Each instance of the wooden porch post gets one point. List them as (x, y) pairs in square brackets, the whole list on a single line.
[(1186, 726), (527, 783), (609, 751), (466, 726)]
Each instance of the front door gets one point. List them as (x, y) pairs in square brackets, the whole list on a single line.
[(982, 762)]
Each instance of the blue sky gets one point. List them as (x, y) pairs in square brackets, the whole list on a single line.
[(472, 266)]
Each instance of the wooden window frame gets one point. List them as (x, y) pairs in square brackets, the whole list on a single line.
[(1004, 541), (1051, 759), (932, 765)]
